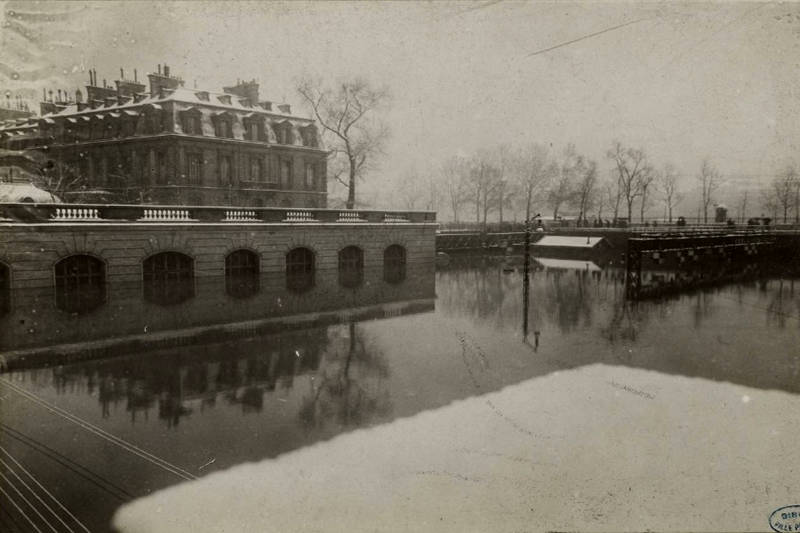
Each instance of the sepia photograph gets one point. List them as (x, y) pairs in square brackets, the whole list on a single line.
[(399, 266)]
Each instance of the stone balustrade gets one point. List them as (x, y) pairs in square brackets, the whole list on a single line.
[(71, 214), (118, 213), (350, 216), (299, 215), (165, 215), (241, 216)]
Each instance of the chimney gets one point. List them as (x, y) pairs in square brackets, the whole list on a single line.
[(166, 70), (159, 69), (135, 76), (121, 74), (78, 96), (247, 90)]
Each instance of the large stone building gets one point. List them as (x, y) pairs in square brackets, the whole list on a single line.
[(168, 144)]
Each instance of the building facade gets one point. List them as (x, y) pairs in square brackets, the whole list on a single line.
[(167, 144)]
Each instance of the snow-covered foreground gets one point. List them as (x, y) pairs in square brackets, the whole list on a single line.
[(594, 448)]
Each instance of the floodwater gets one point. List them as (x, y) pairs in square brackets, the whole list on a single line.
[(279, 376)]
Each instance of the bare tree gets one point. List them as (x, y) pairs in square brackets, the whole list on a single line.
[(614, 194), (770, 202), (667, 184), (603, 200), (347, 114), (454, 182), (647, 181), (501, 160), (587, 182), (743, 207), (532, 170), (782, 192), (480, 179), (633, 171), (407, 191), (796, 181), (710, 180), (563, 185), (54, 176)]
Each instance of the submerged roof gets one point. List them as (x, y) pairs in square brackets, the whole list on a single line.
[(567, 264), (571, 242)]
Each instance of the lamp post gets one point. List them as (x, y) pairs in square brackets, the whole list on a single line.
[(526, 277)]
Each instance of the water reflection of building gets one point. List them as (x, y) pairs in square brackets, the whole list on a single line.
[(347, 372)]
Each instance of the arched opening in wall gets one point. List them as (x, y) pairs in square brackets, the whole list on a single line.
[(394, 264), (80, 283), (168, 278), (300, 269), (242, 273), (5, 289), (351, 266)]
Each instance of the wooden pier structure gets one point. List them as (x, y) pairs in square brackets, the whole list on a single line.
[(674, 262)]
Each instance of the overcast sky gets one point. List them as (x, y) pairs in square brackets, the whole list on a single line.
[(683, 81)]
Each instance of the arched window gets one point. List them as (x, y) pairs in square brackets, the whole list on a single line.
[(351, 266), (80, 283), (242, 273), (300, 269), (394, 264), (168, 278)]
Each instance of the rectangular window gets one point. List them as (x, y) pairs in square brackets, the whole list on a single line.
[(225, 170), (252, 131), (256, 169), (195, 164), (311, 176), (224, 128), (192, 125), (161, 167), (286, 173)]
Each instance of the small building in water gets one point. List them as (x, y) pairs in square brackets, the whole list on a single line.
[(570, 247)]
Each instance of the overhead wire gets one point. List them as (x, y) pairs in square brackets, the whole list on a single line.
[(45, 505), (21, 511), (91, 428), (589, 36), (92, 477), (57, 502)]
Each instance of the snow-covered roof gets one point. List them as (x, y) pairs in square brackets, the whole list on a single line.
[(567, 264), (183, 95), (571, 242), (25, 192)]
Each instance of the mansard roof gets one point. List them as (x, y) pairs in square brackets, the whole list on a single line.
[(182, 97)]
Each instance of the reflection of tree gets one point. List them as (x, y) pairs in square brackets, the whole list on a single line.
[(350, 388), (567, 298), (627, 319)]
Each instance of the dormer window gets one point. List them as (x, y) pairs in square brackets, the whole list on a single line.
[(191, 122), (309, 134), (254, 128), (153, 120), (283, 133), (202, 95), (223, 125), (225, 99)]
